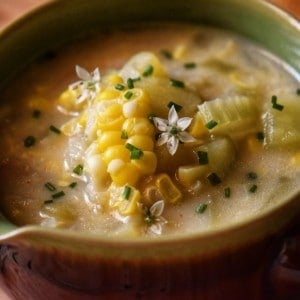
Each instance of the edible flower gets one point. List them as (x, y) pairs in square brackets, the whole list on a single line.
[(154, 218), (173, 130), (88, 86)]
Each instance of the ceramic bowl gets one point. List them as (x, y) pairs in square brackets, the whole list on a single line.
[(232, 263)]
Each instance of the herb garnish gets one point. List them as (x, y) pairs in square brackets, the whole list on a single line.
[(211, 124), (214, 179), (55, 129), (50, 186), (202, 157), (130, 83), (48, 201), (119, 87), (227, 192), (275, 105), (29, 141), (260, 136), (251, 175), (177, 83), (190, 65), (126, 192), (253, 188), (58, 195), (177, 107), (298, 91), (135, 153), (36, 114), (72, 185), (166, 53), (148, 71), (124, 135), (128, 95), (200, 209), (78, 169)]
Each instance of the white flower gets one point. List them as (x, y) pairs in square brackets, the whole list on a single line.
[(89, 85), (173, 130), (154, 217)]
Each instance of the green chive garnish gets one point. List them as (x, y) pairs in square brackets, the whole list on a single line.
[(167, 54), (126, 192), (275, 105), (177, 83), (190, 65), (227, 192), (214, 179), (119, 87), (177, 107), (202, 157), (135, 153), (253, 188), (29, 141), (251, 175), (130, 83), (36, 113), (148, 71), (72, 185), (260, 136), (78, 170), (50, 186), (55, 129), (211, 124), (128, 95), (124, 135), (200, 209), (298, 92), (48, 201), (58, 195), (274, 99)]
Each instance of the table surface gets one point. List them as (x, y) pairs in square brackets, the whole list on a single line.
[(12, 9)]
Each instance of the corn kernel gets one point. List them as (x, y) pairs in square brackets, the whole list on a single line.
[(189, 175), (128, 174), (167, 188), (296, 159), (116, 152), (115, 79), (108, 94), (179, 51), (135, 108), (197, 128), (143, 142), (111, 118), (146, 163), (115, 166), (109, 138), (138, 126)]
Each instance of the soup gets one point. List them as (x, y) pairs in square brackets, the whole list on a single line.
[(127, 132)]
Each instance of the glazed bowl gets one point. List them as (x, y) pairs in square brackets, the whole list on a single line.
[(234, 262)]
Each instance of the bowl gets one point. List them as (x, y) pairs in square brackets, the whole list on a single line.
[(233, 262)]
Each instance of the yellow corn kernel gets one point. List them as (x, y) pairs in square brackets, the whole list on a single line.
[(189, 175), (116, 152), (111, 119), (197, 128), (296, 159), (69, 128), (146, 163), (109, 138), (114, 79), (179, 51), (253, 144), (108, 94), (127, 174), (138, 126), (167, 188), (134, 108), (143, 142)]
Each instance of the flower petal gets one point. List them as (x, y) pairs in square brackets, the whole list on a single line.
[(172, 116), (156, 228), (157, 208), (172, 144), (83, 73), (96, 75), (160, 124), (185, 137), (184, 123), (163, 138)]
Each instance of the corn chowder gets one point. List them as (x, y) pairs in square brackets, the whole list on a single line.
[(132, 133)]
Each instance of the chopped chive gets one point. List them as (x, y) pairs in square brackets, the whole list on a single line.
[(200, 209), (177, 83), (36, 113), (189, 65), (177, 107), (211, 124), (124, 135), (55, 129), (128, 95), (278, 106), (119, 87), (298, 91), (136, 79), (202, 157), (148, 71), (130, 83), (50, 186), (48, 201), (72, 185), (126, 192), (58, 195), (251, 175), (150, 117), (253, 188), (274, 99), (227, 192), (135, 153), (260, 136), (214, 179), (29, 141), (166, 53), (78, 169)]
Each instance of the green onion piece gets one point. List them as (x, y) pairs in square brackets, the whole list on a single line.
[(130, 83), (36, 113), (124, 135), (253, 188), (167, 54), (135, 153), (260, 136), (200, 209), (177, 107), (50, 186), (177, 83), (148, 71), (72, 185), (78, 169), (190, 65), (211, 124), (119, 87), (151, 116), (128, 95), (126, 192), (29, 141), (214, 179), (58, 195), (55, 129), (227, 192), (48, 201), (298, 92), (202, 157), (274, 99), (251, 175), (278, 106)]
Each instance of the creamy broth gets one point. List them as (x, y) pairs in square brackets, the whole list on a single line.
[(54, 168)]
